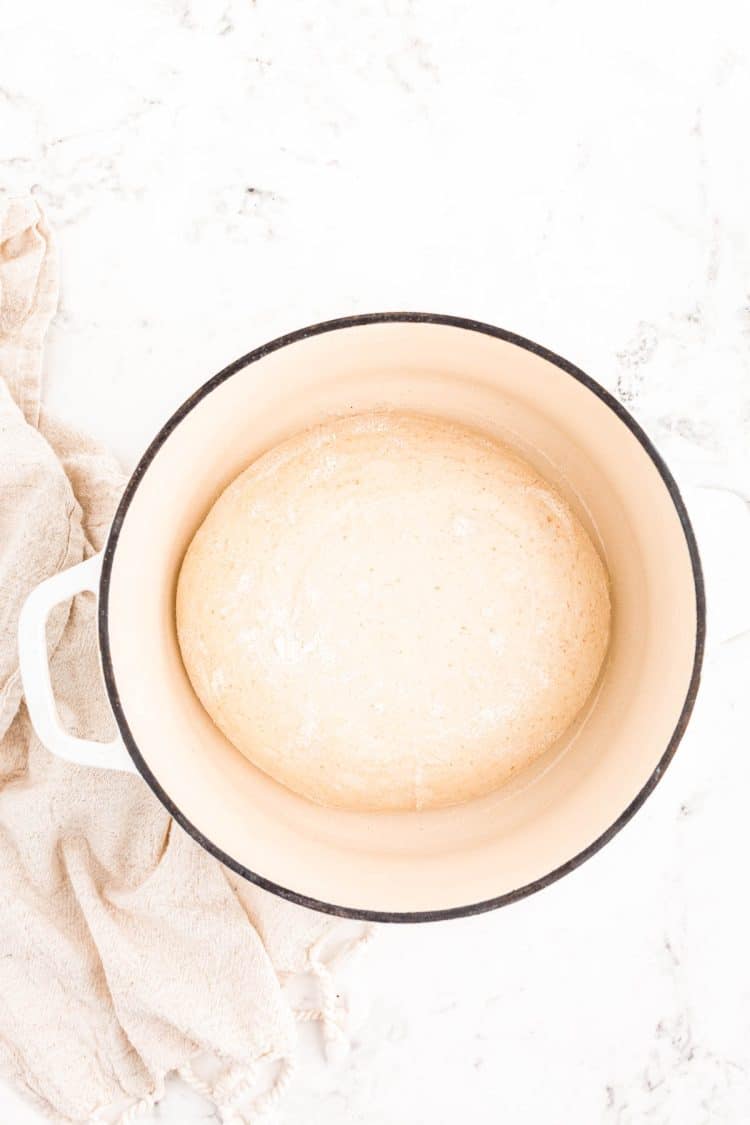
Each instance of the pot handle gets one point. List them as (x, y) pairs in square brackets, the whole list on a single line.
[(721, 519), (35, 671)]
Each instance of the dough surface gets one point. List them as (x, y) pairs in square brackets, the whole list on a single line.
[(390, 611)]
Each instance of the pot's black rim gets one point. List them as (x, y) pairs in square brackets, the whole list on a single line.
[(700, 605)]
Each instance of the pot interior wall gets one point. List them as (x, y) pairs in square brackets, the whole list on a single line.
[(545, 816)]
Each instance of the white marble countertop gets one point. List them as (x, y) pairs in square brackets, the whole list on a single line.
[(220, 171)]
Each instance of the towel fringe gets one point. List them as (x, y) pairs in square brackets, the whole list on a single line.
[(139, 1108), (237, 1082)]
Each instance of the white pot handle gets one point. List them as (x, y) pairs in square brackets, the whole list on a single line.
[(721, 520), (35, 673)]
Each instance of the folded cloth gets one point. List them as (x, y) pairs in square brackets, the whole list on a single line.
[(125, 949)]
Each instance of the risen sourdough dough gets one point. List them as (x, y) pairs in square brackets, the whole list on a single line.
[(392, 612)]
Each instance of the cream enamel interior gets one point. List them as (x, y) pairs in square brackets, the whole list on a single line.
[(420, 861)]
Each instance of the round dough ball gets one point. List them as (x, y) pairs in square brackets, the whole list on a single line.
[(390, 611)]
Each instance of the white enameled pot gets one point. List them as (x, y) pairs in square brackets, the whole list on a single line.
[(405, 866)]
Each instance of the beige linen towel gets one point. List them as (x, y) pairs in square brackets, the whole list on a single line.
[(125, 949)]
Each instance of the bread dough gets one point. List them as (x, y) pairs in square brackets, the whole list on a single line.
[(390, 611)]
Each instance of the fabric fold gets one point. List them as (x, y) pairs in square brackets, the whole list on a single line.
[(126, 948)]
